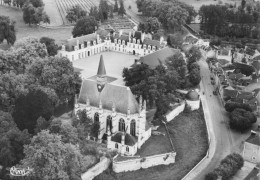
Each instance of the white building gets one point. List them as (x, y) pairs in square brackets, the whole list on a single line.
[(134, 43), (122, 119)]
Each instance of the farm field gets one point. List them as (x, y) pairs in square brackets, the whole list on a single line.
[(53, 12), (64, 5), (189, 135), (24, 30)]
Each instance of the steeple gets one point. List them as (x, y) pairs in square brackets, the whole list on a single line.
[(101, 75), (101, 67)]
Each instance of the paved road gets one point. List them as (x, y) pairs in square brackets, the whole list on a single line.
[(227, 141)]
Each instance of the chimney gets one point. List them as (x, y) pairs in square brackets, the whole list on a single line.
[(113, 108), (87, 101), (120, 33), (100, 105), (144, 106), (161, 40), (140, 103), (78, 43), (142, 36), (130, 34)]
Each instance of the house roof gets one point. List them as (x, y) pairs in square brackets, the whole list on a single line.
[(253, 174), (235, 76), (223, 61), (257, 57), (230, 93), (151, 42), (154, 59), (120, 96), (254, 139), (256, 65), (129, 139), (251, 87)]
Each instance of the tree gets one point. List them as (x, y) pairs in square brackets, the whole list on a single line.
[(19, 3), (12, 141), (37, 3), (211, 176), (28, 108), (7, 30), (151, 25), (241, 119), (121, 10), (116, 6), (34, 15), (41, 124), (103, 10), (53, 159), (194, 65), (75, 13), (193, 55), (231, 106), (175, 40), (178, 63), (7, 2), (56, 74), (94, 12), (84, 26), (194, 77), (52, 48)]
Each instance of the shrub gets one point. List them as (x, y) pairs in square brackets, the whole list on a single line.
[(231, 106), (211, 176), (241, 120)]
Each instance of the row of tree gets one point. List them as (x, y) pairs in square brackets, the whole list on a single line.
[(158, 85), (241, 116), (26, 72), (67, 149), (224, 21), (228, 167), (171, 13), (100, 13)]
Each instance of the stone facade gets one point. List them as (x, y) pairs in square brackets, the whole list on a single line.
[(88, 45), (251, 150)]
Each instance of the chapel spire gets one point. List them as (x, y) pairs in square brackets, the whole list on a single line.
[(101, 75)]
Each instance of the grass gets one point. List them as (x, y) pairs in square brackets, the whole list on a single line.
[(189, 135), (23, 30)]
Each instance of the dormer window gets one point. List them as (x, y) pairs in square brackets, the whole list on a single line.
[(123, 42), (119, 41), (138, 41), (134, 40)]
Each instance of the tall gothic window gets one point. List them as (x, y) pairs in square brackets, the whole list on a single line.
[(96, 117), (132, 128), (109, 123), (121, 126)]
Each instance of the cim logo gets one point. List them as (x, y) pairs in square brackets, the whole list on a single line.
[(19, 171)]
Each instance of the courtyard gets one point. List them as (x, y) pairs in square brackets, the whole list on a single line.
[(115, 62)]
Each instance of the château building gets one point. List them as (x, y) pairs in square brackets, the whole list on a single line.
[(134, 42), (122, 119)]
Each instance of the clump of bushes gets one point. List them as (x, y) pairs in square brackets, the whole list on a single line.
[(228, 167), (231, 106)]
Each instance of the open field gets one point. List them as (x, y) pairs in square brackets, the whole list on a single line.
[(23, 30), (189, 134), (198, 3), (114, 63)]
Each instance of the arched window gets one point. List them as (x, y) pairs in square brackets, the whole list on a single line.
[(132, 127), (109, 123), (127, 148), (121, 126), (116, 145), (96, 117)]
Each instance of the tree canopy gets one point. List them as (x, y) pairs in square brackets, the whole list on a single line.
[(151, 25), (241, 120), (121, 10), (75, 13), (52, 48), (7, 30), (84, 26)]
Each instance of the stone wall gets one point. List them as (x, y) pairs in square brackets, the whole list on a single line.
[(145, 162), (175, 112), (97, 169)]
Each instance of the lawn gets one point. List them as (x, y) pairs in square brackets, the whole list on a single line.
[(114, 64), (189, 135), (23, 30)]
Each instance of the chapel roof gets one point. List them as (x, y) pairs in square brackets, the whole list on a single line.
[(101, 67), (120, 96)]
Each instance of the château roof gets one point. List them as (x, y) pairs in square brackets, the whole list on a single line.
[(152, 42), (254, 139), (73, 41), (101, 67), (121, 96), (154, 59)]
